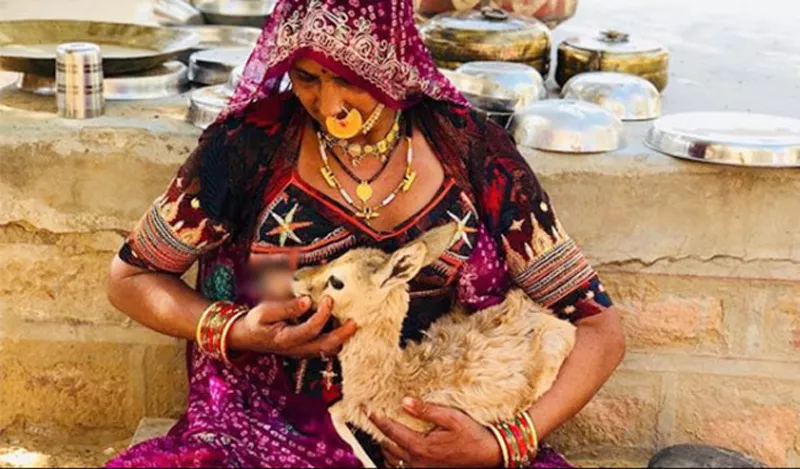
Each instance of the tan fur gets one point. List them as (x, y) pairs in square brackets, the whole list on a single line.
[(491, 364)]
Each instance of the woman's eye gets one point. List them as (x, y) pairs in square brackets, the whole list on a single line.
[(342, 81), (335, 283), (303, 76)]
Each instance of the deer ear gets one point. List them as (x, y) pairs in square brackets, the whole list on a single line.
[(437, 241), (402, 266)]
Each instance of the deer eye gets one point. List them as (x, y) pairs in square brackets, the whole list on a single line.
[(335, 283)]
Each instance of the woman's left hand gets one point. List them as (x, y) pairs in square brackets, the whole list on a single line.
[(457, 440)]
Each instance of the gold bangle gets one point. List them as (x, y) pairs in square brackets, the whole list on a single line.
[(201, 323), (240, 312), (502, 442), (532, 429)]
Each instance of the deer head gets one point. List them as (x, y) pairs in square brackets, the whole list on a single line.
[(362, 280)]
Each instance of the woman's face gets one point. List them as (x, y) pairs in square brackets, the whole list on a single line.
[(324, 94)]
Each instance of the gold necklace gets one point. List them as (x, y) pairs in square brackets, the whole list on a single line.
[(357, 152), (365, 212)]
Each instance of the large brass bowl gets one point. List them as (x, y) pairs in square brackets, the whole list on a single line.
[(29, 46)]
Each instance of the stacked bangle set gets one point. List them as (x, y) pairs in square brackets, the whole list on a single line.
[(214, 327), (518, 440)]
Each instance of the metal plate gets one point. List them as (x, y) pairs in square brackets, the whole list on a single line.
[(166, 80), (729, 138), (206, 104), (567, 126), (176, 12), (236, 12), (216, 36), (629, 97), (214, 66), (29, 46)]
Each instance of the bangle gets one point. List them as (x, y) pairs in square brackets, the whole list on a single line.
[(239, 313), (214, 326), (532, 431), (511, 442), (502, 443)]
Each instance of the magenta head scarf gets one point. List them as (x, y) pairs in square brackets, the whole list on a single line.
[(374, 44)]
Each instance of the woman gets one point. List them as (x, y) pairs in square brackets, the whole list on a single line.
[(285, 179)]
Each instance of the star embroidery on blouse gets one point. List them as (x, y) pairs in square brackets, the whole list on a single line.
[(516, 225), (287, 226), (462, 230)]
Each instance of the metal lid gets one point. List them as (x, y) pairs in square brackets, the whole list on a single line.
[(567, 126), (488, 34), (629, 97), (481, 92), (523, 82), (214, 66), (614, 42), (731, 138)]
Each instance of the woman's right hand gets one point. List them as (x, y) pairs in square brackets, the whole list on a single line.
[(266, 329)]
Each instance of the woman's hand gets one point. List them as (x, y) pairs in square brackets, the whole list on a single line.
[(457, 440), (266, 329)]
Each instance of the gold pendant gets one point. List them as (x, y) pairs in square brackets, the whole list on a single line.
[(364, 191), (411, 176), (328, 176)]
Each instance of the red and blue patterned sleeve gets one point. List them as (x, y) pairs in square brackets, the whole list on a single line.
[(542, 259), (178, 228)]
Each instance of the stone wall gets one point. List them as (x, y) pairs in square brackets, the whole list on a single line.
[(702, 261)]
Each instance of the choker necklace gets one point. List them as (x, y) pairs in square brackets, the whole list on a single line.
[(364, 211), (364, 188), (357, 152)]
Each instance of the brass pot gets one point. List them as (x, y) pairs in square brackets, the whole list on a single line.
[(550, 12), (459, 37), (613, 51)]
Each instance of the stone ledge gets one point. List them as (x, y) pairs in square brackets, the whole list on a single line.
[(712, 366)]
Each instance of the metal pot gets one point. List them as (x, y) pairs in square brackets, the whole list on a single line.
[(487, 35), (523, 82), (551, 12), (613, 51)]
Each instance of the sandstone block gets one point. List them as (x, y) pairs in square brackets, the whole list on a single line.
[(758, 417), (781, 326), (660, 312), (69, 390), (166, 382), (623, 416)]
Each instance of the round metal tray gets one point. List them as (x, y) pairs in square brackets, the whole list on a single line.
[(29, 46), (236, 12), (216, 36), (169, 79), (629, 97), (728, 138), (205, 105), (567, 126), (214, 66)]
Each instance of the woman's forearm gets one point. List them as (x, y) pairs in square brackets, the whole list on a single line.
[(161, 302), (599, 348)]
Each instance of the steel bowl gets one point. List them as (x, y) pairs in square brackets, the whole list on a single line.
[(482, 93), (176, 12), (728, 138), (236, 12), (214, 66), (216, 36), (206, 104), (567, 126), (29, 46), (629, 97), (523, 81)]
